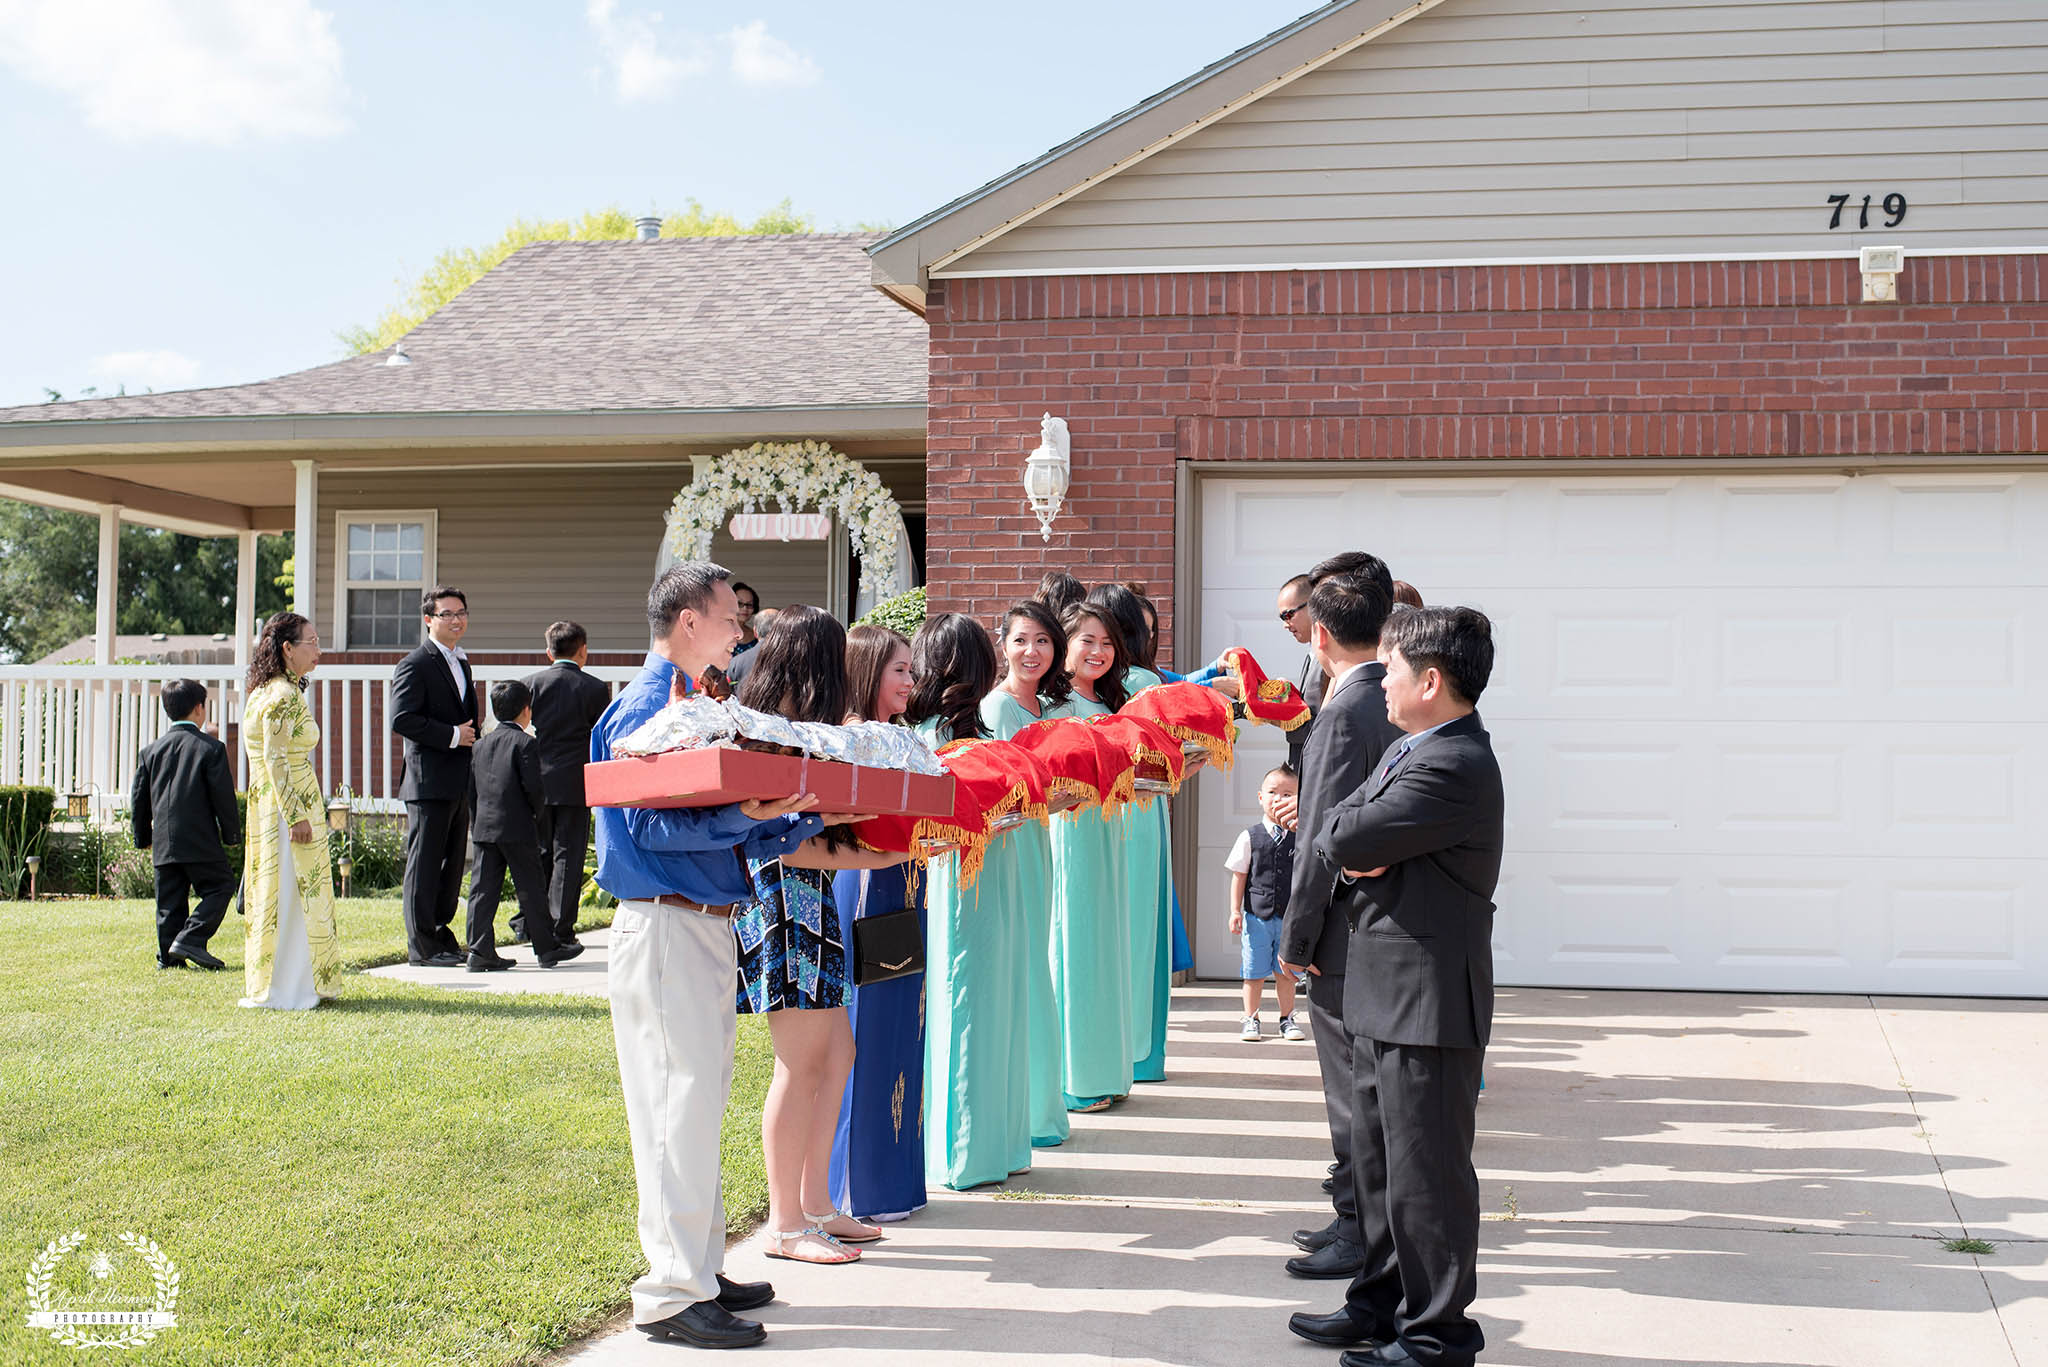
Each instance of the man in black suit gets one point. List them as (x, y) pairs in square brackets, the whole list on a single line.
[(1351, 734), (508, 818), (1422, 842), (433, 705), (566, 705), (182, 810)]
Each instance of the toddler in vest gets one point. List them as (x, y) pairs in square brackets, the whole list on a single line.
[(1261, 868)]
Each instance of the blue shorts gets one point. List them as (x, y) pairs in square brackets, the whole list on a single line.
[(1261, 948)]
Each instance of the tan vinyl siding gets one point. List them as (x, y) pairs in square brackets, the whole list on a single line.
[(1500, 129), (534, 545)]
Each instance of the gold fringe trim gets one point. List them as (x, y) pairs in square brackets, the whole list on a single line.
[(1269, 690)]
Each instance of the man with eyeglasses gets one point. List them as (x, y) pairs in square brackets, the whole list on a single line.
[(434, 707), (1292, 606)]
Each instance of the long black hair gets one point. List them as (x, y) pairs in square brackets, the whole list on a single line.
[(1056, 685), (955, 663), (1059, 591), (1127, 610), (1109, 689), (266, 660), (801, 673)]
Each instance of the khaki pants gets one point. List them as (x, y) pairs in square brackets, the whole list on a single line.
[(672, 994)]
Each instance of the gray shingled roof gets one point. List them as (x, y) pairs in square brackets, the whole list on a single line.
[(679, 323)]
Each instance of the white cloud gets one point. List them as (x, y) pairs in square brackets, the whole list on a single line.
[(144, 370), (644, 61), (760, 58), (191, 70), (642, 65)]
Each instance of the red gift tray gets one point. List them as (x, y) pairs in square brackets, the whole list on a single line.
[(714, 777)]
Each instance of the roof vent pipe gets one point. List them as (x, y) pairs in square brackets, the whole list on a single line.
[(647, 227)]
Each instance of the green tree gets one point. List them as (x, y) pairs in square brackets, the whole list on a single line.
[(170, 582), (456, 269)]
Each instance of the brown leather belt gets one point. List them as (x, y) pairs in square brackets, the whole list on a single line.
[(669, 899)]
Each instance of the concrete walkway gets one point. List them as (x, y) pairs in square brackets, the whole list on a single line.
[(583, 975), (1668, 1178)]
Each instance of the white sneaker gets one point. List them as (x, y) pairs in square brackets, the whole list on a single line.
[(1291, 1029), (1250, 1031)]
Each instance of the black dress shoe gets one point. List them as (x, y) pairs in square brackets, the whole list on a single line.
[(1379, 1355), (1315, 1240), (1341, 1330), (494, 964), (1338, 1258), (560, 955), (707, 1324), (198, 956), (447, 958), (1329, 1186), (738, 1296), (164, 961)]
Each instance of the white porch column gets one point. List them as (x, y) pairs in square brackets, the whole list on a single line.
[(104, 625), (245, 598), (305, 537)]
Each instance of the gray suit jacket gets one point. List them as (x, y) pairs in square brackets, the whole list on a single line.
[(1421, 969), (1312, 684), (1350, 737)]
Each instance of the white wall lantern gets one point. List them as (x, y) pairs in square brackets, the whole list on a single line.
[(1047, 472), (1881, 267)]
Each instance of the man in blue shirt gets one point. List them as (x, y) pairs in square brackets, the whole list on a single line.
[(678, 874)]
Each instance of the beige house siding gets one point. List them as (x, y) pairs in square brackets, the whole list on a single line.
[(530, 546), (1505, 129)]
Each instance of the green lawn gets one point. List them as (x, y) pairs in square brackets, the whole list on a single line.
[(406, 1176)]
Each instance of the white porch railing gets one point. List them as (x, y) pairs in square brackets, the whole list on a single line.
[(80, 727)]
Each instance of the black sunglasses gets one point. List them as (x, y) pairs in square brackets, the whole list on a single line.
[(1287, 614)]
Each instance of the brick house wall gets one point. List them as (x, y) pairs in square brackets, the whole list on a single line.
[(1616, 361)]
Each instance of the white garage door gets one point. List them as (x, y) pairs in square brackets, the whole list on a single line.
[(1758, 732)]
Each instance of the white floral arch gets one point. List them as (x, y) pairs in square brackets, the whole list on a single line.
[(792, 477)]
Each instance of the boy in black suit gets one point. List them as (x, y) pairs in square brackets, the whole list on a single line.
[(507, 822), (182, 810), (1421, 842), (566, 705)]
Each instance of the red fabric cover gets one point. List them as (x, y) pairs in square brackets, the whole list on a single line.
[(1189, 712), (1275, 702), (1088, 769), (1154, 754), (987, 784)]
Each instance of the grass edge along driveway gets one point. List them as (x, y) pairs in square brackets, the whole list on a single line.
[(409, 1175)]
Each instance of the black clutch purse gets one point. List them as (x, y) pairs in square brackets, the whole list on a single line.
[(887, 946)]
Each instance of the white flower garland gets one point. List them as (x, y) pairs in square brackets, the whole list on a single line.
[(794, 477)]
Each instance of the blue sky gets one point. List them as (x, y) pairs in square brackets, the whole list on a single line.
[(204, 192)]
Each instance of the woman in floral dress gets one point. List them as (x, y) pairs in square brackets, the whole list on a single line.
[(793, 962), (291, 960)]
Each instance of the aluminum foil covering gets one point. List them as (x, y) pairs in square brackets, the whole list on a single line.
[(765, 727), (686, 724), (826, 742), (881, 745)]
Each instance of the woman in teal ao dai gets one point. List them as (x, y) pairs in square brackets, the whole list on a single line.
[(1034, 684), (977, 1124), (1148, 873), (1091, 938)]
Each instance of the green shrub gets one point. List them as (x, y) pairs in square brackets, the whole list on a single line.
[(904, 613), (24, 826)]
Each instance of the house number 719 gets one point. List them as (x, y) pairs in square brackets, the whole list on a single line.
[(1894, 206)]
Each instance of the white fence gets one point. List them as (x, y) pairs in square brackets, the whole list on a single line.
[(80, 727)]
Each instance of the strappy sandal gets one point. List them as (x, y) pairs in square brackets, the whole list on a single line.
[(779, 1241), (867, 1235)]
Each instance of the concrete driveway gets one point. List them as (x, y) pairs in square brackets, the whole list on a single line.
[(1668, 1178)]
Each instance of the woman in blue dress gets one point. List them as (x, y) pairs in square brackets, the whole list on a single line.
[(793, 964), (1034, 685), (878, 1151), (977, 1117), (1148, 873)]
